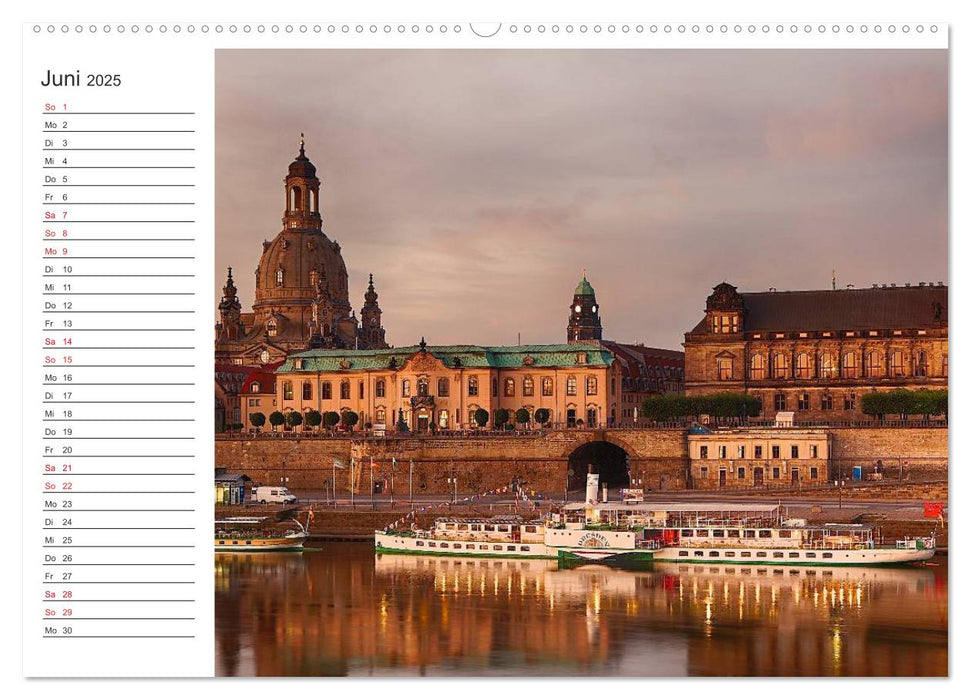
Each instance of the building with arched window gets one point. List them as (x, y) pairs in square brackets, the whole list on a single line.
[(440, 386), (815, 352)]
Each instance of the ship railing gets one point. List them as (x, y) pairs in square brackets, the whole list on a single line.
[(761, 544)]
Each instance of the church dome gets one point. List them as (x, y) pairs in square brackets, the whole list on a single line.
[(293, 262), (301, 166)]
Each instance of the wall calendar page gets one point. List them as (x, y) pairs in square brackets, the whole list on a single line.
[(468, 349)]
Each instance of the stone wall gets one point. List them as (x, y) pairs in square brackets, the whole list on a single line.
[(920, 452), (658, 458)]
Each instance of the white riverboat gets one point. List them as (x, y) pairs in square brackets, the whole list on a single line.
[(723, 533), (637, 533), (501, 536), (258, 534)]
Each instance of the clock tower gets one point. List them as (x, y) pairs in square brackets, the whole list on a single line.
[(584, 323)]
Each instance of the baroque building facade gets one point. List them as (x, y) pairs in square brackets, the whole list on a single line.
[(441, 387), (301, 298), (816, 352)]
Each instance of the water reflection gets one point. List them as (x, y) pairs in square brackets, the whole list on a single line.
[(344, 611)]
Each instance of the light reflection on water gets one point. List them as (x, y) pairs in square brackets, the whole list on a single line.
[(344, 611)]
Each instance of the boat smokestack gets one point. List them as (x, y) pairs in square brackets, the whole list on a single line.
[(593, 482)]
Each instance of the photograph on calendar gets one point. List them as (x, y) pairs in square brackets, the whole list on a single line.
[(581, 363)]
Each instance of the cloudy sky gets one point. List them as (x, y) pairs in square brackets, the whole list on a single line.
[(476, 185)]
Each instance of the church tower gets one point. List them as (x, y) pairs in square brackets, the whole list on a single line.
[(290, 304), (371, 332), (230, 325), (584, 323)]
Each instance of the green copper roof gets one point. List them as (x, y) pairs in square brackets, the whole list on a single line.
[(469, 356), (584, 288)]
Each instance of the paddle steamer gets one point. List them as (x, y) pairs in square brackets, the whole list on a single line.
[(626, 533)]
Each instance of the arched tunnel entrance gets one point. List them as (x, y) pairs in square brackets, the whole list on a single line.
[(609, 461)]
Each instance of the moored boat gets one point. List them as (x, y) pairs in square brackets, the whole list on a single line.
[(257, 534), (638, 533), (501, 536), (722, 533)]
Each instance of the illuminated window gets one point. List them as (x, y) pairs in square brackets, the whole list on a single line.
[(571, 386), (803, 366), (828, 369), (780, 366), (757, 366), (279, 277), (287, 391), (527, 386), (851, 368), (591, 386), (547, 386), (406, 387), (873, 367), (473, 386), (509, 387), (896, 364)]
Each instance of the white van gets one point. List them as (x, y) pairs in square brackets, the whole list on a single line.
[(273, 494)]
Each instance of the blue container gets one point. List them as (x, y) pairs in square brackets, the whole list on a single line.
[(857, 473)]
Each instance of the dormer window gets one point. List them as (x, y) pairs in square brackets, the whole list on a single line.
[(581, 358), (725, 323), (254, 388), (298, 363), (271, 327)]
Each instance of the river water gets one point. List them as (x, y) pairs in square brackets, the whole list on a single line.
[(343, 611)]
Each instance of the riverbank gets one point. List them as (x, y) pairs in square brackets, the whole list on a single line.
[(335, 525)]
